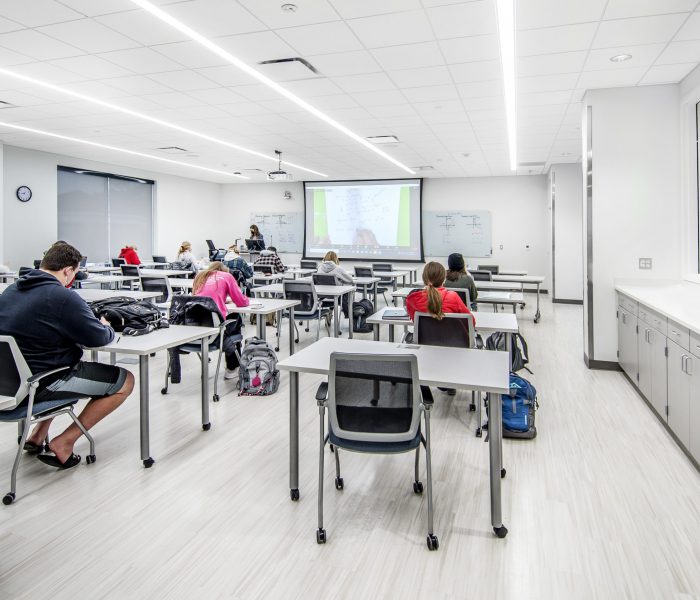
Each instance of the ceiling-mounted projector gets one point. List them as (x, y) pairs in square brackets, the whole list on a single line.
[(279, 174)]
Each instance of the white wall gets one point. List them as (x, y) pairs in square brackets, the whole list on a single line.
[(636, 206), (567, 259), (186, 209)]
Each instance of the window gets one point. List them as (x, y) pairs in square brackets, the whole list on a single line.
[(100, 213)]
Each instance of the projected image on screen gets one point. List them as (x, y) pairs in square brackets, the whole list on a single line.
[(364, 219)]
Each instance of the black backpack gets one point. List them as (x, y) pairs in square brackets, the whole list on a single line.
[(131, 317), (519, 356), (360, 311)]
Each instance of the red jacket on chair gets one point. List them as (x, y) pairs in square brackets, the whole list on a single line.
[(130, 256)]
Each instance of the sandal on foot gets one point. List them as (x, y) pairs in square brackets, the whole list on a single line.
[(33, 448), (52, 460)]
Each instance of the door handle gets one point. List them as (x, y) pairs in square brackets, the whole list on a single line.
[(689, 365)]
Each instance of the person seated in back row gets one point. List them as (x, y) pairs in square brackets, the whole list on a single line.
[(457, 276), (269, 258), (51, 324), (128, 253), (234, 262), (331, 266)]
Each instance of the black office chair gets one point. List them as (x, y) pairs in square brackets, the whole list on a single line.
[(385, 283), (130, 271), (118, 262), (481, 275), (201, 311), (374, 404), (308, 264), (162, 262), (264, 269), (37, 264), (463, 293), (366, 288), (18, 388), (160, 284), (83, 261), (493, 269), (309, 309)]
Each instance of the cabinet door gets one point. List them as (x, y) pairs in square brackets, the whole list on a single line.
[(644, 377), (659, 372), (678, 392), (627, 343), (694, 446)]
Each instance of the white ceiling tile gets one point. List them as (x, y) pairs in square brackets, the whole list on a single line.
[(257, 47), (88, 35), (137, 85), (392, 109), (48, 72), (345, 63), (667, 73), (680, 52), (691, 29), (392, 30), (642, 56), (366, 8), (379, 98), (336, 102), (547, 83), (90, 66), (481, 89), (615, 78), (544, 98), (7, 25), (640, 30), (97, 89), (256, 92), (37, 45), (308, 12), (485, 102), (459, 20), (309, 88), (409, 56), (213, 18), (141, 61), (217, 95), (548, 40), (8, 58), (623, 9), (142, 27), (468, 49), (479, 116), (431, 93), (482, 70), (549, 64), (184, 80), (408, 78), (226, 76), (550, 110), (173, 100), (546, 13), (364, 83), (190, 55), (324, 38), (37, 12)]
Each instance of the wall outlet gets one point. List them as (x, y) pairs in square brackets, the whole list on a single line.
[(645, 263)]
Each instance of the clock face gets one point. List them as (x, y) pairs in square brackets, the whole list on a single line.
[(24, 194)]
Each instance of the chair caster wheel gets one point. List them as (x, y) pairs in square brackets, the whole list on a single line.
[(417, 487), (296, 340), (320, 536), (331, 447), (339, 484), (206, 426), (164, 391), (148, 463), (90, 459), (294, 494), (215, 397), (277, 348), (503, 473), (501, 531), (433, 543), (8, 498), (374, 402), (472, 408), (478, 433)]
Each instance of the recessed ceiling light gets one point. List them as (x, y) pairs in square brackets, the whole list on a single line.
[(383, 139), (289, 8), (620, 57), (424, 168), (246, 68)]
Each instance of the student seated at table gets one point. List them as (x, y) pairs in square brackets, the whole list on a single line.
[(233, 261), (128, 253), (185, 256), (269, 257), (51, 324), (457, 276), (331, 266), (434, 298), (218, 284)]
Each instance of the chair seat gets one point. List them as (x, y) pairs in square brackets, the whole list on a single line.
[(311, 316), (374, 447), (20, 412), (364, 418)]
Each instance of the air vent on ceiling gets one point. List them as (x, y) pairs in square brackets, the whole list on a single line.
[(289, 69), (531, 164), (4, 104), (173, 150), (383, 139), (423, 168)]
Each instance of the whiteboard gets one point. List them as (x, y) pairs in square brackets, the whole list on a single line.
[(448, 231), (283, 230)]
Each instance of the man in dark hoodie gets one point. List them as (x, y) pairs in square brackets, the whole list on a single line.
[(51, 324)]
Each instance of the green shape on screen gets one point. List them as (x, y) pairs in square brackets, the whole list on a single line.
[(320, 214), (403, 234)]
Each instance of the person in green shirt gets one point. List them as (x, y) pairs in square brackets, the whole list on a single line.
[(458, 277)]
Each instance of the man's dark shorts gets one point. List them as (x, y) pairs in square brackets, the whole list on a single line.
[(86, 379)]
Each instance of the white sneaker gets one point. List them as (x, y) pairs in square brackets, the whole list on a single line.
[(230, 374)]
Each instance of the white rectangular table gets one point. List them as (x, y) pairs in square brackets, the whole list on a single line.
[(11, 275), (93, 295), (511, 272), (522, 280), (145, 345), (445, 367), (181, 283), (102, 269), (268, 306), (495, 298), (164, 272), (109, 279), (299, 271)]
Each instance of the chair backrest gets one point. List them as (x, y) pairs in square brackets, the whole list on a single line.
[(481, 275), (14, 373), (37, 264), (305, 292), (453, 330), (493, 269), (308, 264), (130, 270), (463, 293), (118, 262), (382, 267), (198, 311), (324, 279), (391, 381), (83, 261), (267, 269), (239, 276), (364, 271), (157, 283), (160, 259), (210, 245)]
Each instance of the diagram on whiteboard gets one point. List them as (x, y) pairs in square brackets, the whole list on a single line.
[(284, 231), (445, 232)]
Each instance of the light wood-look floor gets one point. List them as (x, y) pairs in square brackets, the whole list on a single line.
[(601, 505)]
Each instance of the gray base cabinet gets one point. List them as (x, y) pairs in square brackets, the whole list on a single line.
[(627, 342), (679, 384), (652, 382)]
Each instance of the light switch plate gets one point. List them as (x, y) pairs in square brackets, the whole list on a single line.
[(645, 263)]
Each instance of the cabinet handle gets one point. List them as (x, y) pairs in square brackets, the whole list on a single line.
[(689, 365), (684, 358), (624, 318), (650, 336)]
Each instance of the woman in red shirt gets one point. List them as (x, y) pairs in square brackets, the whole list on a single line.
[(128, 253), (434, 298)]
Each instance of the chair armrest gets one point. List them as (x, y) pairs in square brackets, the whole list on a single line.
[(322, 392), (39, 376), (427, 396)]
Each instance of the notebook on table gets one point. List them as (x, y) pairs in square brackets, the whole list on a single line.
[(395, 313)]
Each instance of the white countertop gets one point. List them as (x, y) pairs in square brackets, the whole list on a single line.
[(679, 301)]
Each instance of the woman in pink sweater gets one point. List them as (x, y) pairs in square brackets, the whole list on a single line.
[(219, 285)]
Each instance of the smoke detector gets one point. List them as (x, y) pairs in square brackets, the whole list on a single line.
[(279, 174)]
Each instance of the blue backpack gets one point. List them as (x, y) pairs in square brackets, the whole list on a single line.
[(519, 408)]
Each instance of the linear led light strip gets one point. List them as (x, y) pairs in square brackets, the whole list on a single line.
[(506, 34), (116, 149), (237, 62), (139, 115)]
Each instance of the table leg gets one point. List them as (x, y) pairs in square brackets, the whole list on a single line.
[(144, 400), (206, 425), (514, 309), (375, 297), (537, 314), (291, 329), (94, 356), (336, 324), (391, 332), (261, 323), (294, 435), (375, 328), (495, 433), (351, 297)]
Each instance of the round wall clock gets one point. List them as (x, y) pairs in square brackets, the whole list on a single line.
[(24, 194)]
